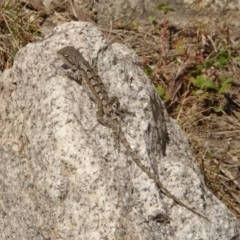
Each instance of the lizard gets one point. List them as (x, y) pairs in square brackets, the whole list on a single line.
[(82, 72)]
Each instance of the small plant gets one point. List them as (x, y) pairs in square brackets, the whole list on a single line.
[(220, 60), (165, 9), (148, 70), (209, 88), (225, 84), (179, 46), (203, 83), (162, 93), (208, 84), (152, 19)]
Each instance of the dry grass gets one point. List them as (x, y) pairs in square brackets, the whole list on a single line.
[(19, 26), (21, 23)]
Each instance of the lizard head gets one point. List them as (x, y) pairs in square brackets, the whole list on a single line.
[(73, 59), (69, 55)]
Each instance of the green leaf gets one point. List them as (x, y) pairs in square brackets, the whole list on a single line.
[(194, 93), (134, 26), (211, 155), (203, 83), (148, 70), (179, 45), (162, 93), (165, 8), (209, 63), (237, 59), (151, 18), (218, 109), (220, 60), (226, 83)]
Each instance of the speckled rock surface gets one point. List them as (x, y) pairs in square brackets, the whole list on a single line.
[(62, 176)]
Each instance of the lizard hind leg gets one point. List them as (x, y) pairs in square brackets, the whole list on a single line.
[(120, 112)]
